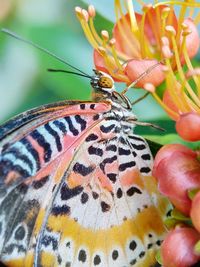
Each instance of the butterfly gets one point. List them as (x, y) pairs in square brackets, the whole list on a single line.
[(75, 185)]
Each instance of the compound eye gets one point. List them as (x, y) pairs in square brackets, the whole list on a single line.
[(105, 82)]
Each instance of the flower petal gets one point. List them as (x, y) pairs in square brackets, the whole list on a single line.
[(135, 68), (177, 250), (153, 23), (169, 102), (99, 61), (188, 126), (126, 41), (193, 40)]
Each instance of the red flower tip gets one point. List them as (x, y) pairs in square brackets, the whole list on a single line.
[(195, 211), (188, 126), (177, 250), (177, 169), (136, 67)]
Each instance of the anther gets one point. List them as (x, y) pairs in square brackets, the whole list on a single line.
[(149, 87), (186, 32), (78, 11), (167, 53), (102, 50), (112, 42), (191, 73), (91, 11), (146, 7), (165, 12), (165, 41), (85, 15), (105, 35), (170, 29)]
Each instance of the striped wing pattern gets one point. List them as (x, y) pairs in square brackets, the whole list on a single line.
[(76, 190)]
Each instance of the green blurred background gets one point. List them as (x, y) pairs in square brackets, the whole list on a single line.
[(24, 80)]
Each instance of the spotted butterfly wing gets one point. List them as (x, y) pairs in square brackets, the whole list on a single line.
[(76, 186)]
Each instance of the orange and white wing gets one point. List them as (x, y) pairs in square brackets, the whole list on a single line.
[(32, 147), (77, 191)]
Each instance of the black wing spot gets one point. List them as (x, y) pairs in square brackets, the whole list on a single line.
[(39, 138), (47, 240), (112, 177), (32, 151), (124, 152), (82, 256), (91, 137), (107, 161), (138, 147), (20, 233), (124, 166), (96, 117), (104, 206), (40, 183), (67, 193), (133, 190), (95, 195), (81, 121), (137, 138), (115, 254), (142, 254), (146, 157), (132, 245), (133, 262), (95, 151), (107, 129), (92, 106), (145, 170), (97, 260), (83, 170), (60, 210), (111, 148), (72, 129), (60, 125), (82, 106), (119, 193), (55, 135), (84, 198)]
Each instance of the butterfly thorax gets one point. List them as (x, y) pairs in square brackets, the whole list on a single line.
[(121, 111)]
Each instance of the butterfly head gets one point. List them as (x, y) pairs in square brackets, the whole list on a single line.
[(102, 82)]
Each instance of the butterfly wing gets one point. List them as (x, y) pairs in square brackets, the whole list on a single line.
[(31, 147), (90, 201)]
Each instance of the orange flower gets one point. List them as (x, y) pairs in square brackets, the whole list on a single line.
[(136, 43)]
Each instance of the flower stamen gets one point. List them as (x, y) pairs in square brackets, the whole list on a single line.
[(134, 25), (114, 53), (178, 64)]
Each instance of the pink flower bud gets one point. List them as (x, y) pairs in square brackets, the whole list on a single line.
[(177, 250), (177, 170), (195, 211), (188, 126)]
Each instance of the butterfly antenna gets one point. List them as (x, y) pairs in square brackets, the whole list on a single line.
[(8, 32), (71, 72)]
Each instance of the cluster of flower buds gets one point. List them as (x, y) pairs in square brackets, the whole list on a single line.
[(177, 169)]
